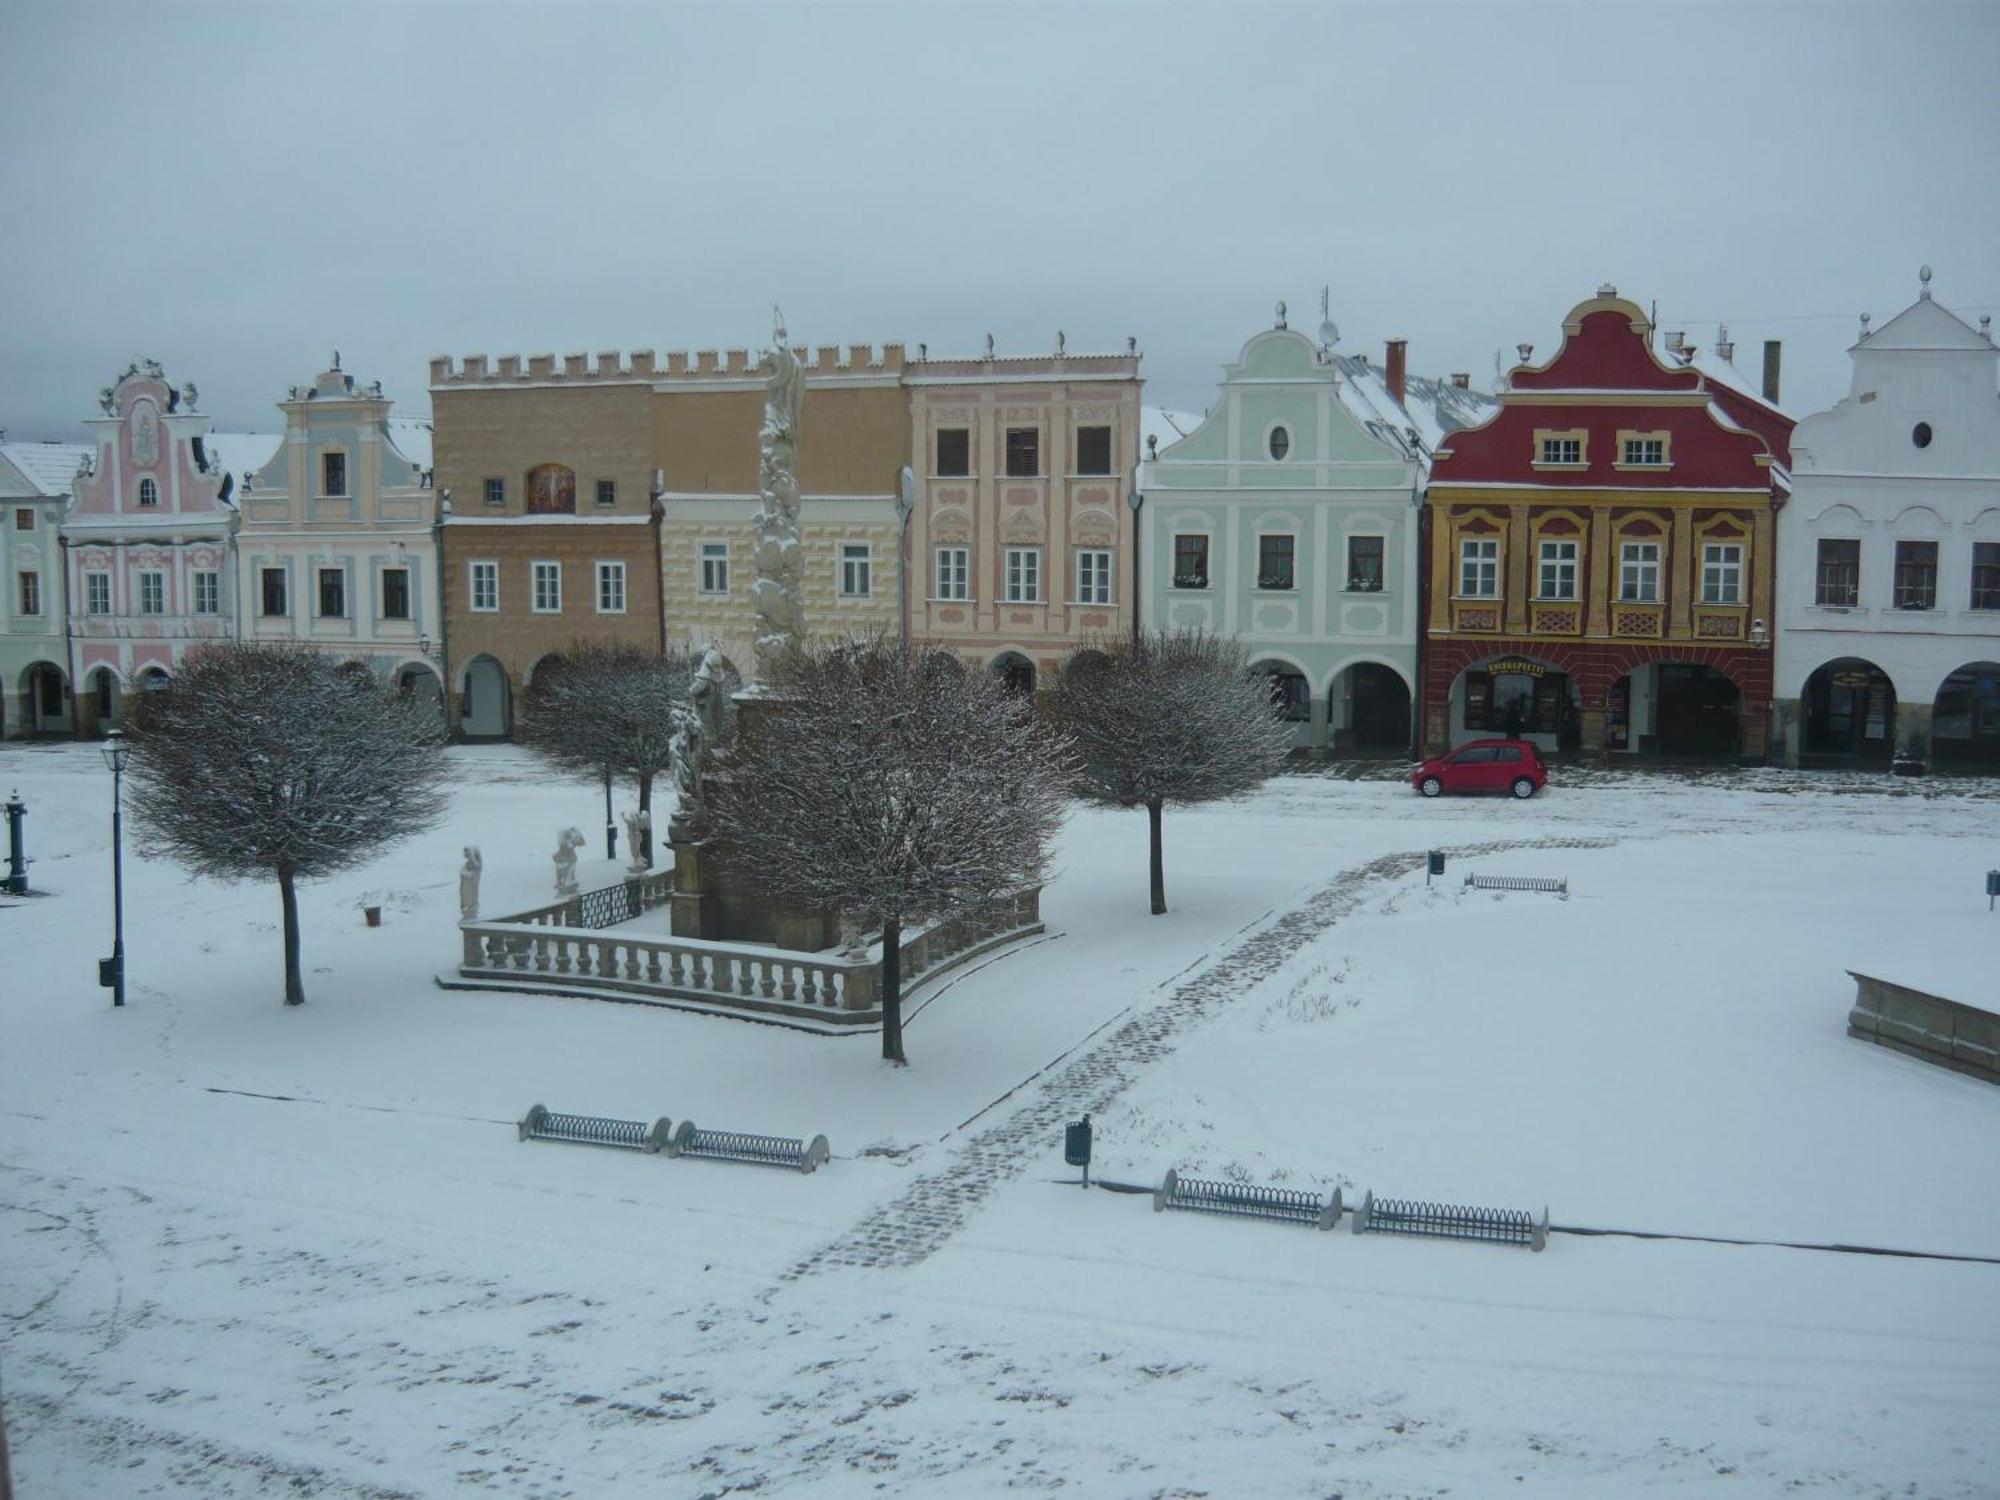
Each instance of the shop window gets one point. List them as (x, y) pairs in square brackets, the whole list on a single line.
[(1837, 576)]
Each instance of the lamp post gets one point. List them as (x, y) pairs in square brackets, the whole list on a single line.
[(111, 973), (906, 502), (1136, 498)]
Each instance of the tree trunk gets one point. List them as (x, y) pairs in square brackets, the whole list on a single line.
[(892, 991), (295, 985), (1159, 869), (646, 807)]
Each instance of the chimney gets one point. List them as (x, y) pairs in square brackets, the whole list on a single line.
[(1771, 350), (1725, 347), (1462, 379), (1397, 370)]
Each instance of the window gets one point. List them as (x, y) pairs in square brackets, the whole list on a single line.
[(1093, 450), (485, 577), (1274, 562), (953, 572), (1563, 449), (1479, 568), (1557, 579), (1986, 575), (1639, 450), (715, 567), (97, 593), (496, 492), (332, 593), (611, 588), (547, 597), (272, 583), (1024, 452), (1837, 582), (31, 592), (1190, 561), (152, 593), (395, 593), (1639, 572), (1364, 564), (1093, 576), (1024, 575), (1279, 443), (607, 492), (333, 473), (24, 518), (856, 568), (1916, 575), (1722, 573), (207, 593), (1921, 434), (149, 493), (954, 452)]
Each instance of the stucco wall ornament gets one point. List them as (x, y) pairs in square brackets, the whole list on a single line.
[(776, 594)]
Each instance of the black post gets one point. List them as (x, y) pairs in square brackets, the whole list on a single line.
[(16, 883), (117, 886), (610, 827)]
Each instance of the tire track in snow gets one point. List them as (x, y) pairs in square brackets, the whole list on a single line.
[(921, 1218)]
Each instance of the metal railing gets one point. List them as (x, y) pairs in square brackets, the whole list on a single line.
[(609, 906), (1241, 1200), (1500, 1226), (540, 1124), (1546, 884), (793, 1152)]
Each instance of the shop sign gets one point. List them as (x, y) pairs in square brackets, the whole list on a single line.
[(1515, 666)]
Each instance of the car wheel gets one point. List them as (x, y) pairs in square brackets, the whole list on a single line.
[(1523, 787), (1430, 786)]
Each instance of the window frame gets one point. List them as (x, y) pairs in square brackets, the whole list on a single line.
[(149, 493), (1631, 568), (938, 470), (712, 569), (158, 577), (1632, 437), (1565, 569), (338, 577), (329, 459), (1488, 566), (611, 571), (1089, 561), (951, 574), (24, 518), (1010, 450), (1021, 576), (1822, 567), (851, 557), (1109, 461), (1915, 579), (29, 583), (1273, 435), (264, 576), (382, 586), (1984, 594), (545, 571), (480, 570), (495, 491), (205, 581), (1291, 562), (1717, 569), (1358, 584), (1207, 547), (1546, 436), (604, 493), (91, 576)]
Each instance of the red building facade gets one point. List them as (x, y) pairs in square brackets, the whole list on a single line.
[(1600, 554)]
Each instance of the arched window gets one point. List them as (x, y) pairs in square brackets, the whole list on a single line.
[(149, 493)]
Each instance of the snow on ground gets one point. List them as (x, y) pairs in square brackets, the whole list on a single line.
[(247, 1251)]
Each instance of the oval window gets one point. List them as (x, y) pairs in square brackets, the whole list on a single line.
[(1281, 442), (1921, 434)]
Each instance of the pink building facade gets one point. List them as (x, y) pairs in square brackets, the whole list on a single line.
[(147, 546)]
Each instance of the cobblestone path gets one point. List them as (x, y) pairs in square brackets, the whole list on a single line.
[(930, 1210)]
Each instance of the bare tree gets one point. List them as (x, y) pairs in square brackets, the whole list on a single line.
[(275, 760), (1171, 716), (599, 709), (893, 785)]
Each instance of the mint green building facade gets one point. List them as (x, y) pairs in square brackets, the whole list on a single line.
[(1289, 518)]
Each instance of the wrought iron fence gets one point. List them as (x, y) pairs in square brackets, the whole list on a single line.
[(609, 906)]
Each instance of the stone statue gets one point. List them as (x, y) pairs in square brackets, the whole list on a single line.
[(689, 749), (567, 843), (638, 823), (468, 883), (776, 594), (705, 694)]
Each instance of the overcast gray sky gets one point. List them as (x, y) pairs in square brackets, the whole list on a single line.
[(236, 189)]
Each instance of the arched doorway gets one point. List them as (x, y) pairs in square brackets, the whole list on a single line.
[(1965, 719), (107, 698), (1516, 697), (45, 705), (485, 705), (1850, 714), (1376, 706), (1674, 708), (1291, 698), (419, 684), (1015, 670)]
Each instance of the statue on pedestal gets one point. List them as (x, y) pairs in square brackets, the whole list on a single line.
[(638, 823), (468, 883), (567, 843), (776, 594)]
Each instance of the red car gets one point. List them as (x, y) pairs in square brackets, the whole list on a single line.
[(1513, 766)]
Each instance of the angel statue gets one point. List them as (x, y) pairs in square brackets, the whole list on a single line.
[(567, 843), (468, 883)]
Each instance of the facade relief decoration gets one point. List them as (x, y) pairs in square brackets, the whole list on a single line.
[(551, 490)]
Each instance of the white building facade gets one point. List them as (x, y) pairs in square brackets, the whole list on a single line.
[(336, 548), (1888, 641)]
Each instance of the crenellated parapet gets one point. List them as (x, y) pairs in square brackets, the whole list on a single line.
[(1061, 365), (677, 365)]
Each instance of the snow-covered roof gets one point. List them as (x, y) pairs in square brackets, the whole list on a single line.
[(50, 467), (412, 437), (1716, 370), (239, 453), (1430, 407), (1162, 427)]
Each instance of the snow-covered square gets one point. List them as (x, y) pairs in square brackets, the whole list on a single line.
[(248, 1250)]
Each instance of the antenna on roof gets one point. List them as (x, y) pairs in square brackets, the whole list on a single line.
[(1329, 331)]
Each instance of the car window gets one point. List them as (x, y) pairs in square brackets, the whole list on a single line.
[(1478, 757), (1507, 752)]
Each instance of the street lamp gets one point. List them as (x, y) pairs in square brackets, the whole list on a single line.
[(1135, 497), (111, 971)]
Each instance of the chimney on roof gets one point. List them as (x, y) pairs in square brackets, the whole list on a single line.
[(1771, 354), (1397, 368), (1724, 345), (1462, 379)]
